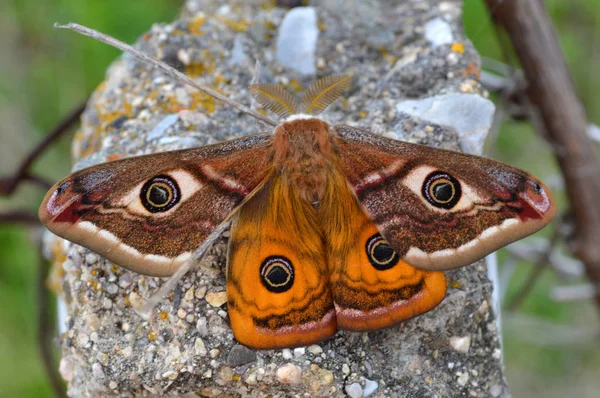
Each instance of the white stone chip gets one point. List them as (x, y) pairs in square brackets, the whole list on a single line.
[(469, 114), (297, 40), (438, 32), (370, 387), (354, 390), (162, 126), (461, 344)]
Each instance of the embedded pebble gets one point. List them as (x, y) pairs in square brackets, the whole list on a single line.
[(199, 347), (113, 385), (240, 355), (438, 32), (297, 40), (92, 321), (125, 280), (91, 258), (496, 390), (461, 344), (216, 299), (107, 303), (251, 379), (202, 326), (345, 369), (66, 369), (162, 126), (370, 387), (169, 374), (298, 352), (286, 353), (289, 374), (354, 390), (111, 288), (127, 351), (214, 352), (463, 378), (469, 114), (97, 371), (315, 349), (237, 52)]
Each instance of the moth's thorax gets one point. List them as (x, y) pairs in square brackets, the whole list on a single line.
[(302, 153)]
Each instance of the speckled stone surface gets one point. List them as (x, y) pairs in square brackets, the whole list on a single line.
[(187, 347)]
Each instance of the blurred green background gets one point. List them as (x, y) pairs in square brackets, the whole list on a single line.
[(551, 349)]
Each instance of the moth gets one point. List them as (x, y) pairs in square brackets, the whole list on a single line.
[(332, 227)]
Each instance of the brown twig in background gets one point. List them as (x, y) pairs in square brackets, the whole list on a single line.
[(10, 183), (561, 117), (538, 268), (19, 217)]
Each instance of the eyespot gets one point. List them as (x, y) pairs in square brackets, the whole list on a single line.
[(441, 190), (160, 193), (277, 274), (380, 253)]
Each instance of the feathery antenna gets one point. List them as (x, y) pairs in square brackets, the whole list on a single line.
[(323, 93), (275, 98)]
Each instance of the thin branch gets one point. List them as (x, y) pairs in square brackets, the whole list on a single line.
[(174, 73), (538, 268), (19, 217), (558, 114), (10, 183)]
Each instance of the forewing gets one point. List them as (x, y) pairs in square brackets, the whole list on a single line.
[(440, 209), (149, 213)]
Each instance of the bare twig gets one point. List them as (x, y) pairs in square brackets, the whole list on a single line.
[(539, 267), (174, 73), (10, 183), (560, 116), (19, 217)]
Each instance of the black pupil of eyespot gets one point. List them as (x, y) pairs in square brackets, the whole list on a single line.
[(380, 254), (443, 191), (159, 195), (383, 252), (277, 275)]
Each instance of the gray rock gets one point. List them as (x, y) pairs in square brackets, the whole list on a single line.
[(240, 355), (161, 356)]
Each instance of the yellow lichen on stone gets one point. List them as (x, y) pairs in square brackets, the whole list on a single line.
[(241, 25), (203, 101), (196, 23), (458, 47), (295, 86)]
